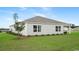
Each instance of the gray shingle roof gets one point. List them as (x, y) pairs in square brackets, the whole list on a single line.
[(43, 20)]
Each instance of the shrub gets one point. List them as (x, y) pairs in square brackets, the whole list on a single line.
[(42, 35), (65, 32), (53, 34), (11, 33), (36, 35), (0, 31), (28, 35), (48, 34)]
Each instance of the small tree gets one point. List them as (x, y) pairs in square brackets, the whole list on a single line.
[(15, 17), (19, 26)]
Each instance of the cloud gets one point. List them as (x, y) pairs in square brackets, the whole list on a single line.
[(40, 14), (6, 22), (20, 20), (10, 21)]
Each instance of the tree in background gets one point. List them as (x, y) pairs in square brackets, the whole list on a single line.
[(19, 26)]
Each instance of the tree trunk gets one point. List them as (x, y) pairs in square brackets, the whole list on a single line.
[(18, 37)]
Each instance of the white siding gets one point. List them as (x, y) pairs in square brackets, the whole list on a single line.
[(67, 29), (45, 29), (12, 29), (24, 32)]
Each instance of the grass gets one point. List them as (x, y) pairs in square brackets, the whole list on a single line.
[(69, 42)]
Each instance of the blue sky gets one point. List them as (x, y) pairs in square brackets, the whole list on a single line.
[(65, 14)]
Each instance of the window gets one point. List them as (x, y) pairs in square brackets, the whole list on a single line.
[(39, 28), (58, 28), (36, 28)]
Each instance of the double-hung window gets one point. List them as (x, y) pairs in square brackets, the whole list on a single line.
[(36, 28), (39, 28), (58, 28)]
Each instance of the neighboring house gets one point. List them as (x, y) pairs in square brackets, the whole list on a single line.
[(42, 26), (4, 30)]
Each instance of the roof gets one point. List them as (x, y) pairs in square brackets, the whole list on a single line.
[(43, 20)]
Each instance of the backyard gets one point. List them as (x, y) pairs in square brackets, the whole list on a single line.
[(69, 42)]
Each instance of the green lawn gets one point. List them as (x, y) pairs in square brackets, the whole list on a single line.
[(69, 42)]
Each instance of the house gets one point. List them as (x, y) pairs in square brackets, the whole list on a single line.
[(42, 26), (4, 30)]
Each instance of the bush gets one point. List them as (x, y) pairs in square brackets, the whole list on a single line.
[(0, 31), (28, 35), (42, 35), (65, 32), (14, 33), (48, 34), (36, 35), (53, 34)]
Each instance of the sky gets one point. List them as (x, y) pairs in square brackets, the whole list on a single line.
[(64, 14)]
